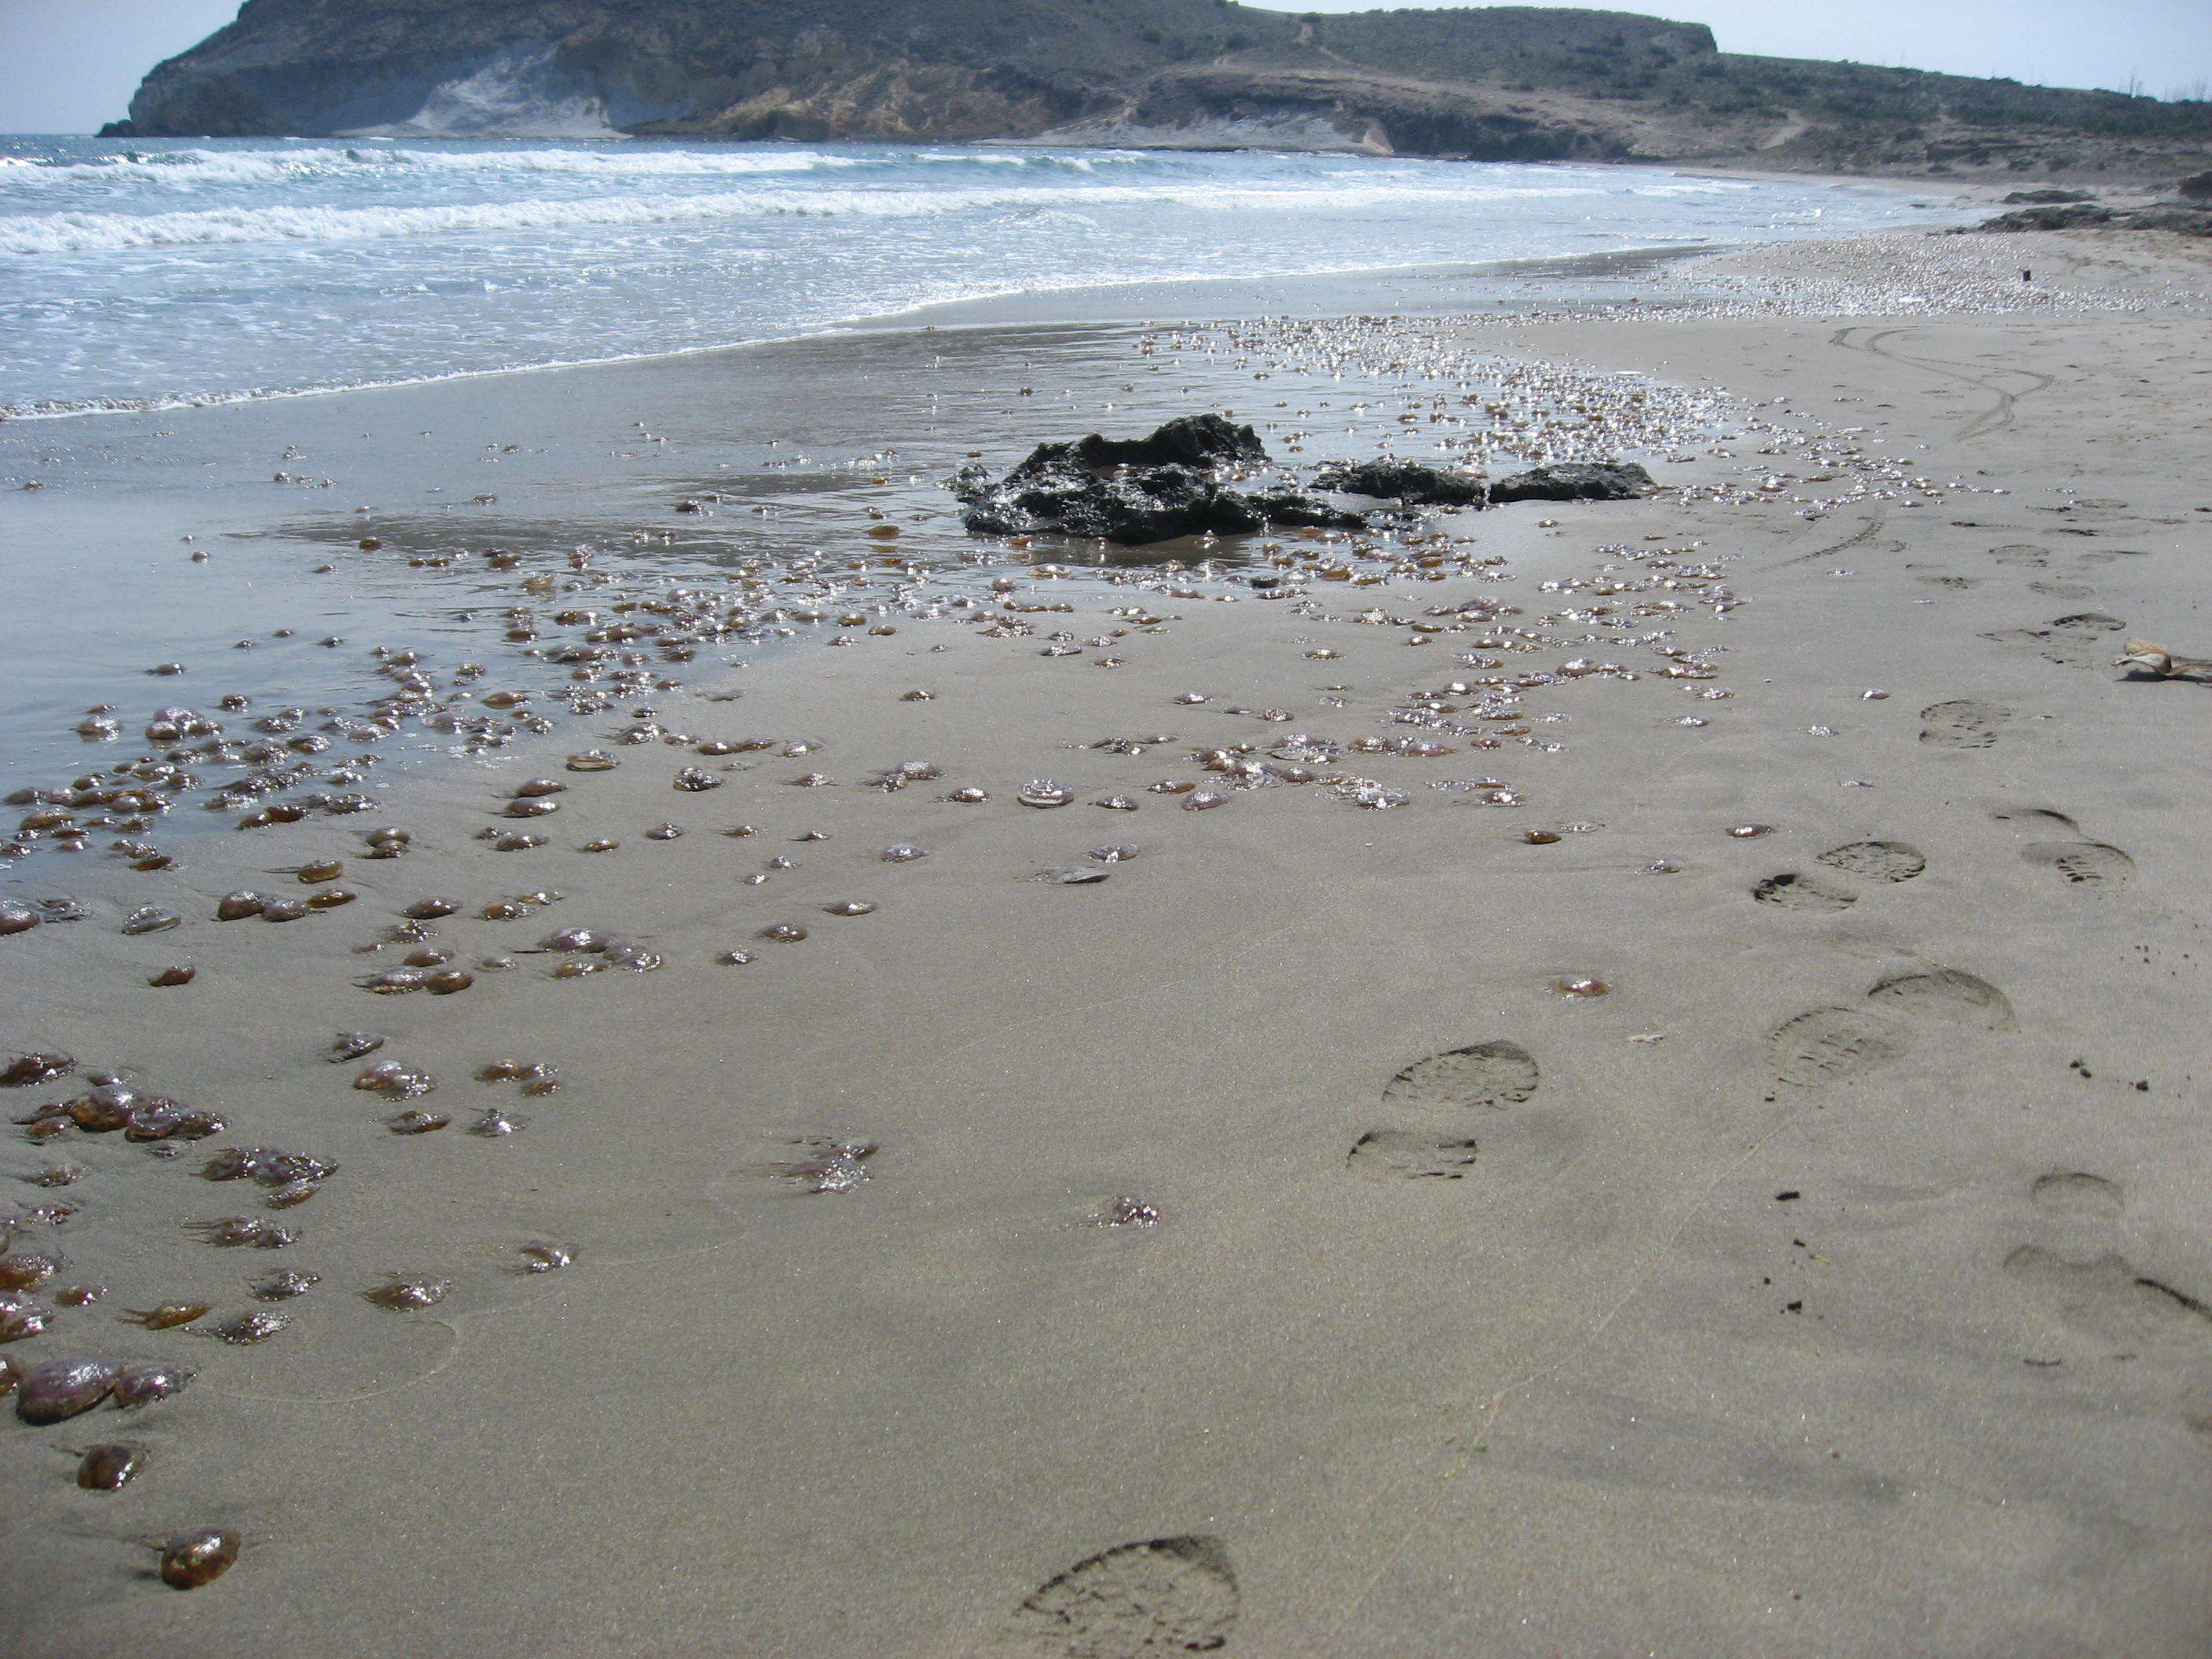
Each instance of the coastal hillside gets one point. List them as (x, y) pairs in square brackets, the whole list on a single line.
[(1501, 83)]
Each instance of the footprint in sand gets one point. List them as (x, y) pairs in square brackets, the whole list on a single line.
[(1792, 891), (2087, 624), (2044, 818), (1164, 1596), (1877, 861), (2021, 554), (1946, 994), (1963, 725), (2107, 1296), (2063, 590), (1484, 1074), (2088, 865), (2074, 642), (1951, 582), (2071, 1192), (2051, 647), (1410, 1155), (1435, 1095), (1832, 1045)]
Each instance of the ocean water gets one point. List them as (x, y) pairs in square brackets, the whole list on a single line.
[(146, 274)]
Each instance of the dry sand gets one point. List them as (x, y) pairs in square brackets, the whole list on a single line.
[(1837, 1284)]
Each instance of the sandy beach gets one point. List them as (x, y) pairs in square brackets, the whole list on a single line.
[(1678, 1137)]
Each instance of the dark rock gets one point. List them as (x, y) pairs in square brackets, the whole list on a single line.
[(2184, 216), (1197, 441), (2048, 197), (1151, 504), (2069, 217), (1575, 481), (1155, 505), (2187, 217), (1137, 490), (2197, 188), (1297, 510), (1403, 481)]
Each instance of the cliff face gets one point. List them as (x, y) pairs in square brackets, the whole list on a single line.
[(745, 69), (1503, 83), (888, 68)]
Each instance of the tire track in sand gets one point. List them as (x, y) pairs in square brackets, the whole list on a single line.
[(1995, 418)]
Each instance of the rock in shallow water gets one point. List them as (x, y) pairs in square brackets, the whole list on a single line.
[(1136, 491), (1576, 481), (1194, 440), (1408, 482)]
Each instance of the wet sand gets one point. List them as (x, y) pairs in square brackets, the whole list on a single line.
[(1833, 1282), (240, 522)]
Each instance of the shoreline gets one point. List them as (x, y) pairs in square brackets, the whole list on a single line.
[(1762, 1303), (1067, 304), (1024, 307)]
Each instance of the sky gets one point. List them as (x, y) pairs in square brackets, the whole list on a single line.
[(69, 65)]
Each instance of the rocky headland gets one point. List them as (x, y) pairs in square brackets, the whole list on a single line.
[(1500, 83)]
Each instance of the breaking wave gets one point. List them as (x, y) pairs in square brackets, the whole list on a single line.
[(100, 233), (194, 168)]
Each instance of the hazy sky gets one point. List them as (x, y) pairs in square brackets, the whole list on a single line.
[(68, 65)]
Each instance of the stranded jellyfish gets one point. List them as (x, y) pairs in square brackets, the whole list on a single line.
[(193, 1559)]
